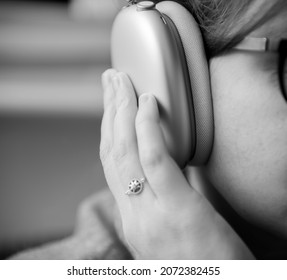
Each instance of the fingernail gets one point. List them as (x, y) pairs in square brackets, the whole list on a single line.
[(115, 82)]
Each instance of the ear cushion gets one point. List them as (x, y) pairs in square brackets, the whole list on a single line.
[(199, 77)]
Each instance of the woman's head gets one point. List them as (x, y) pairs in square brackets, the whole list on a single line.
[(224, 23), (248, 164)]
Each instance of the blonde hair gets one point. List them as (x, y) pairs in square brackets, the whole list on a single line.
[(224, 23)]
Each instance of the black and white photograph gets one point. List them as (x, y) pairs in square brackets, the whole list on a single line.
[(143, 130)]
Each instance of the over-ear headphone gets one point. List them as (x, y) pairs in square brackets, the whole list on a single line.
[(161, 49)]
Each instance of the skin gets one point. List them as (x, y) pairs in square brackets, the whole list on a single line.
[(248, 165), (172, 218), (187, 215), (184, 225)]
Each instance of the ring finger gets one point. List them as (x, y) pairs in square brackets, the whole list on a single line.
[(125, 150)]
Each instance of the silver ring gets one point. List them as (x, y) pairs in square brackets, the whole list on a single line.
[(135, 186)]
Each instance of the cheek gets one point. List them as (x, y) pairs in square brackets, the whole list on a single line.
[(248, 164)]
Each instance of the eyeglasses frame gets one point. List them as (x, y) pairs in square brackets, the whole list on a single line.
[(269, 45)]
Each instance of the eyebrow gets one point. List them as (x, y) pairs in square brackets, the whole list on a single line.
[(259, 44)]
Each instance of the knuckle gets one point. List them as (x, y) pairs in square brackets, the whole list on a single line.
[(110, 107), (140, 120), (151, 158), (105, 150), (119, 152), (124, 102)]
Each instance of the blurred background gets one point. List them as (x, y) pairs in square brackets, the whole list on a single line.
[(52, 54)]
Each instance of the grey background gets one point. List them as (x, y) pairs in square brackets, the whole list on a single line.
[(51, 59)]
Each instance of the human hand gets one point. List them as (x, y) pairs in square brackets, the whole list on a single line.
[(168, 219)]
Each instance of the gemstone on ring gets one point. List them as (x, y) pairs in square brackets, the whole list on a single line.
[(135, 186)]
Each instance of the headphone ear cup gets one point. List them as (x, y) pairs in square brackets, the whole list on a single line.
[(201, 106), (161, 49)]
